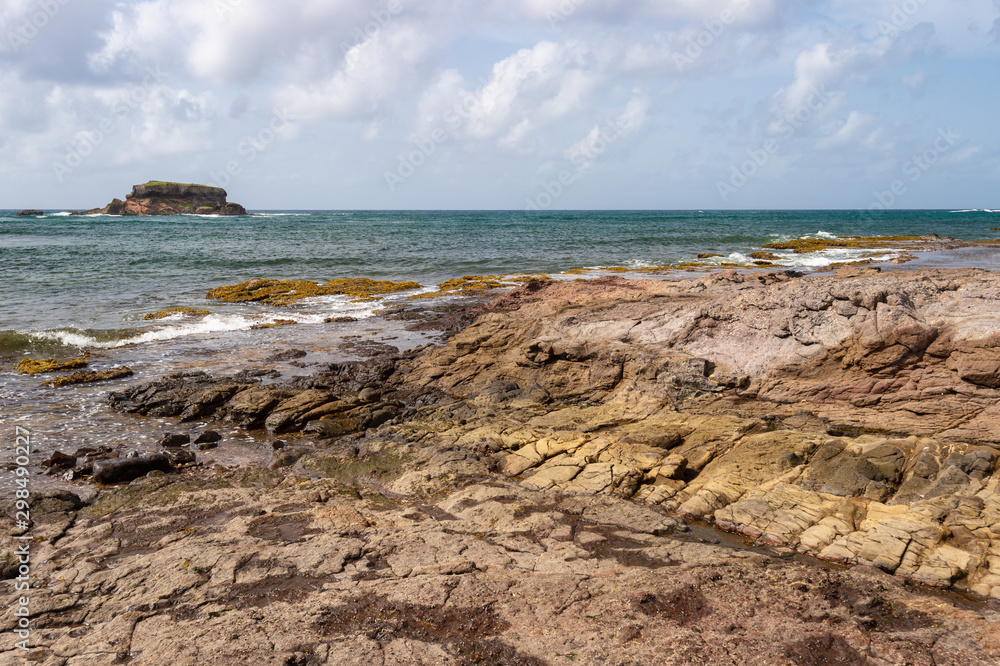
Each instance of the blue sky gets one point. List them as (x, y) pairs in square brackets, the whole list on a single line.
[(511, 104)]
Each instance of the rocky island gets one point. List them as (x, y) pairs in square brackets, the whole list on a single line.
[(761, 468), (162, 198)]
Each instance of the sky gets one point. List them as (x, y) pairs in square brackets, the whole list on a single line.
[(504, 104)]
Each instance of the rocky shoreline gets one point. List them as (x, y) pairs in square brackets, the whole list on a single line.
[(530, 492)]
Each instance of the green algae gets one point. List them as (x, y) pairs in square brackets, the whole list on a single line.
[(809, 245), (90, 376), (31, 366), (287, 292)]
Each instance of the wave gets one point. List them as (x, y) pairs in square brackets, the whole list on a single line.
[(976, 210), (63, 341), (60, 341)]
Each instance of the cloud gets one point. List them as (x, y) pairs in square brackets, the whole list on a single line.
[(525, 92), (847, 133), (373, 71), (509, 83), (585, 152)]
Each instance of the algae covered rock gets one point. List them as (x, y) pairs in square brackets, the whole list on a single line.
[(187, 312), (286, 292), (90, 376), (31, 366)]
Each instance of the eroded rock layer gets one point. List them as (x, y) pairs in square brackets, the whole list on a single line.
[(530, 492)]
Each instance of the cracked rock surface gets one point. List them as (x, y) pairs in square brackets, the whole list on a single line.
[(536, 491)]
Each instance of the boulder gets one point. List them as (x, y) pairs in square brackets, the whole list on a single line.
[(120, 470)]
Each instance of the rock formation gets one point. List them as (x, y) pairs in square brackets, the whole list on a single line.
[(160, 198), (524, 494), (31, 212)]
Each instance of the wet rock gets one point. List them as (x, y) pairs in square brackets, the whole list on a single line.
[(179, 457), (189, 395), (170, 441), (123, 470), (288, 456), (59, 460), (90, 376), (287, 355), (208, 437)]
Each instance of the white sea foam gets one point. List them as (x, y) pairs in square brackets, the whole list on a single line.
[(209, 324), (824, 234), (71, 339), (976, 210), (63, 214)]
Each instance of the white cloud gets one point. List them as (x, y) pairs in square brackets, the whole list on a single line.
[(510, 82), (584, 153), (372, 72), (847, 133)]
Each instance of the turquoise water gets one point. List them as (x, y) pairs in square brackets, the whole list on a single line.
[(87, 281)]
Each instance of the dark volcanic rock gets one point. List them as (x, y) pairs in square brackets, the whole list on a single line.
[(123, 470), (188, 395), (174, 441), (59, 460), (30, 213), (208, 437)]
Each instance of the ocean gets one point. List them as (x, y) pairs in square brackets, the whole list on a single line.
[(75, 284)]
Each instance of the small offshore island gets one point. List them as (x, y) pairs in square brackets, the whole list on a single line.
[(162, 198)]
